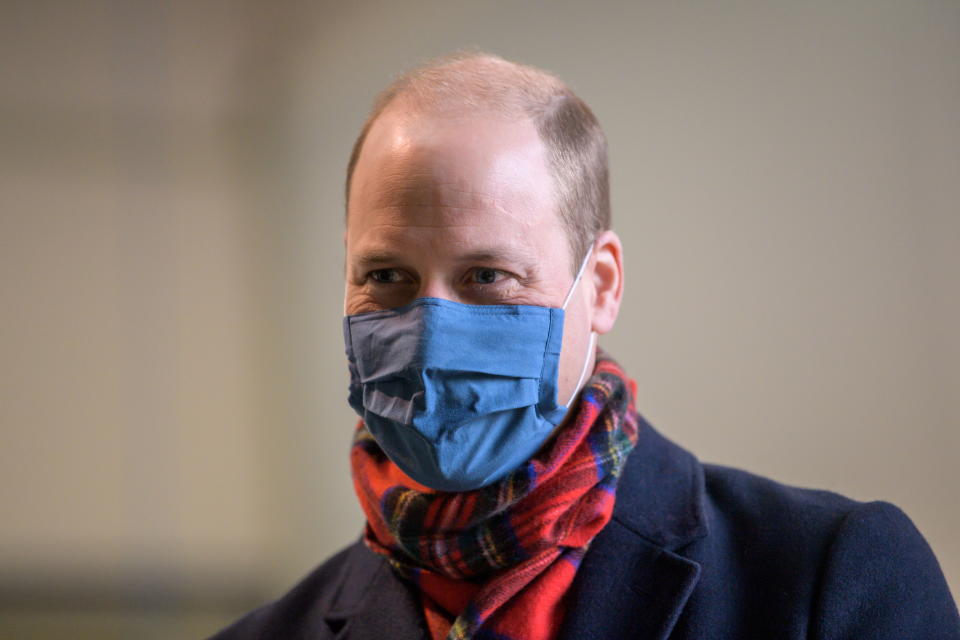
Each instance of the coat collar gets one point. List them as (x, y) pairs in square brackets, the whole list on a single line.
[(660, 496), (634, 576)]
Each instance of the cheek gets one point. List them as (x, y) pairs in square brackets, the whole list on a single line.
[(358, 300), (367, 297)]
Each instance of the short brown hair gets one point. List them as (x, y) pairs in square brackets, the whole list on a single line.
[(576, 146)]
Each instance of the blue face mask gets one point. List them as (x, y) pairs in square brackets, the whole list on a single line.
[(458, 395)]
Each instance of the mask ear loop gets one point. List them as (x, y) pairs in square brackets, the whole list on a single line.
[(583, 372), (576, 281), (593, 334)]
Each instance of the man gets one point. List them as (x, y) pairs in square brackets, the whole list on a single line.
[(511, 488)]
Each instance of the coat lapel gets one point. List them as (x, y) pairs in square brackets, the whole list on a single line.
[(388, 609), (633, 582), (627, 587)]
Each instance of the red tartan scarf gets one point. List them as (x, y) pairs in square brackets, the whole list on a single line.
[(497, 562)]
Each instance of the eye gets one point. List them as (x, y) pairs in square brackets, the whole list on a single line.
[(485, 275), (385, 276)]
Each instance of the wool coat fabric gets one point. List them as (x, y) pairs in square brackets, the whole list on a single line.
[(693, 552)]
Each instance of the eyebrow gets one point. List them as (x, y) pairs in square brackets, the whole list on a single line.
[(495, 255), (379, 257)]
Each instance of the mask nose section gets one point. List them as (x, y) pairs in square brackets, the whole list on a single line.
[(435, 287)]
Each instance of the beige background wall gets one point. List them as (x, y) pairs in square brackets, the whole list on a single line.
[(172, 387)]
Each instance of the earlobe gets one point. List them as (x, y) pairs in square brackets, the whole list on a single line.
[(607, 281)]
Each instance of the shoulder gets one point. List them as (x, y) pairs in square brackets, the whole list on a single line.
[(865, 568), (765, 508), (309, 607), (768, 517), (744, 498), (880, 573)]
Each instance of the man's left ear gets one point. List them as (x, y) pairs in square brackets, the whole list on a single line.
[(607, 275)]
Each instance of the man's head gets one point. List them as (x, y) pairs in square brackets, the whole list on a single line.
[(485, 182)]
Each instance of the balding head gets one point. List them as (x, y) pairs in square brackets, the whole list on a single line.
[(480, 83)]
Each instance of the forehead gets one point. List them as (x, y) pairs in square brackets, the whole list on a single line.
[(461, 175)]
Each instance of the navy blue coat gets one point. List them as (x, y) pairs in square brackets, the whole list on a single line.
[(693, 551)]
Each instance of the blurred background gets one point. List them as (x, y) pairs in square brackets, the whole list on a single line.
[(172, 380)]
